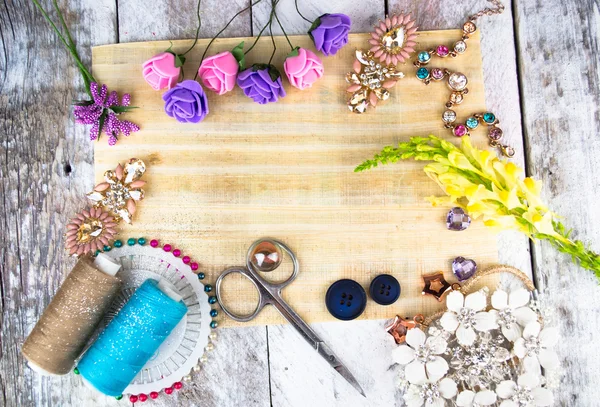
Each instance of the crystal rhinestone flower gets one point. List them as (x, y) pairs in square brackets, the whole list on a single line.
[(525, 393), (121, 190), (370, 81), (481, 364), (535, 348), (511, 312), (421, 357), (90, 230), (465, 315), (468, 398), (431, 393), (394, 39)]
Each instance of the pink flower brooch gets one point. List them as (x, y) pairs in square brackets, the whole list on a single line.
[(113, 200)]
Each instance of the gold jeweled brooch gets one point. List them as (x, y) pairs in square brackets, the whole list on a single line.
[(376, 71)]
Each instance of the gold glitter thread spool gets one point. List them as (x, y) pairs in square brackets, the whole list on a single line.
[(69, 321)]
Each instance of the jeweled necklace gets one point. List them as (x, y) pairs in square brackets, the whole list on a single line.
[(457, 82)]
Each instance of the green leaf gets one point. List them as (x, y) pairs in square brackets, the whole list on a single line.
[(293, 53), (271, 70), (122, 109), (273, 73), (83, 102), (101, 123), (238, 54), (179, 61), (315, 24)]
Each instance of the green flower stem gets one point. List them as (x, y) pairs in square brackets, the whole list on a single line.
[(586, 258), (223, 29), (259, 34), (282, 29), (197, 29), (87, 76)]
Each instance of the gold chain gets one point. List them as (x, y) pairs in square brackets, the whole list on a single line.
[(457, 82)]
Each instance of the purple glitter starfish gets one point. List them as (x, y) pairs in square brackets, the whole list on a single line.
[(102, 113)]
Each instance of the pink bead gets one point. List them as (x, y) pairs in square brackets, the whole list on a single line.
[(460, 130), (194, 266), (437, 74), (169, 390), (186, 259), (176, 252), (442, 50), (178, 385), (167, 248), (154, 243), (143, 397), (153, 395), (133, 399)]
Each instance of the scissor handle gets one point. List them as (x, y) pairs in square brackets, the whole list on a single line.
[(285, 248), (268, 293), (262, 299)]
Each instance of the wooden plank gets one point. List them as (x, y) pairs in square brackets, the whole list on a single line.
[(285, 170), (363, 14), (560, 78), (162, 20), (46, 167)]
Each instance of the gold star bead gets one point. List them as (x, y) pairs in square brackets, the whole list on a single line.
[(435, 285)]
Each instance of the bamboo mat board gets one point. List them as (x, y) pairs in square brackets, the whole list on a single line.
[(285, 170)]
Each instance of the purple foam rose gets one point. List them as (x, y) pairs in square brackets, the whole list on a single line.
[(330, 32), (261, 83), (186, 102)]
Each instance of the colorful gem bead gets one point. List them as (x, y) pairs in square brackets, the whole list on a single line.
[(208, 288), (118, 243), (194, 266), (489, 118), (495, 133), (437, 74), (153, 395), (422, 73), (201, 276), (154, 243), (212, 299), (177, 385), (442, 51), (133, 398), (472, 122), (176, 252), (169, 390), (167, 248), (460, 130), (424, 57), (143, 397), (213, 324), (131, 241), (186, 259), (213, 313), (141, 241)]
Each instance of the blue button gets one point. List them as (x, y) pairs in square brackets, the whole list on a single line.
[(346, 299), (384, 289)]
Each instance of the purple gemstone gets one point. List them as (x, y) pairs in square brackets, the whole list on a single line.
[(463, 268), (457, 219)]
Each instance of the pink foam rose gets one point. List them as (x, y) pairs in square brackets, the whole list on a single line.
[(304, 69), (160, 71), (218, 73)]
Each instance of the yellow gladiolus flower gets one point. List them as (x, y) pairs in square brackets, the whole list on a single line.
[(478, 181)]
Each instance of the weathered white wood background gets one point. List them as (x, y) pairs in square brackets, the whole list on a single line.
[(542, 79)]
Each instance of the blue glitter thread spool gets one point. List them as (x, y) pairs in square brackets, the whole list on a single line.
[(131, 339)]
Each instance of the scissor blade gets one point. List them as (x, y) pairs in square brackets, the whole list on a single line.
[(341, 369), (333, 360)]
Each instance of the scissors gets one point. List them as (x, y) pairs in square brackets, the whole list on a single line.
[(265, 255)]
